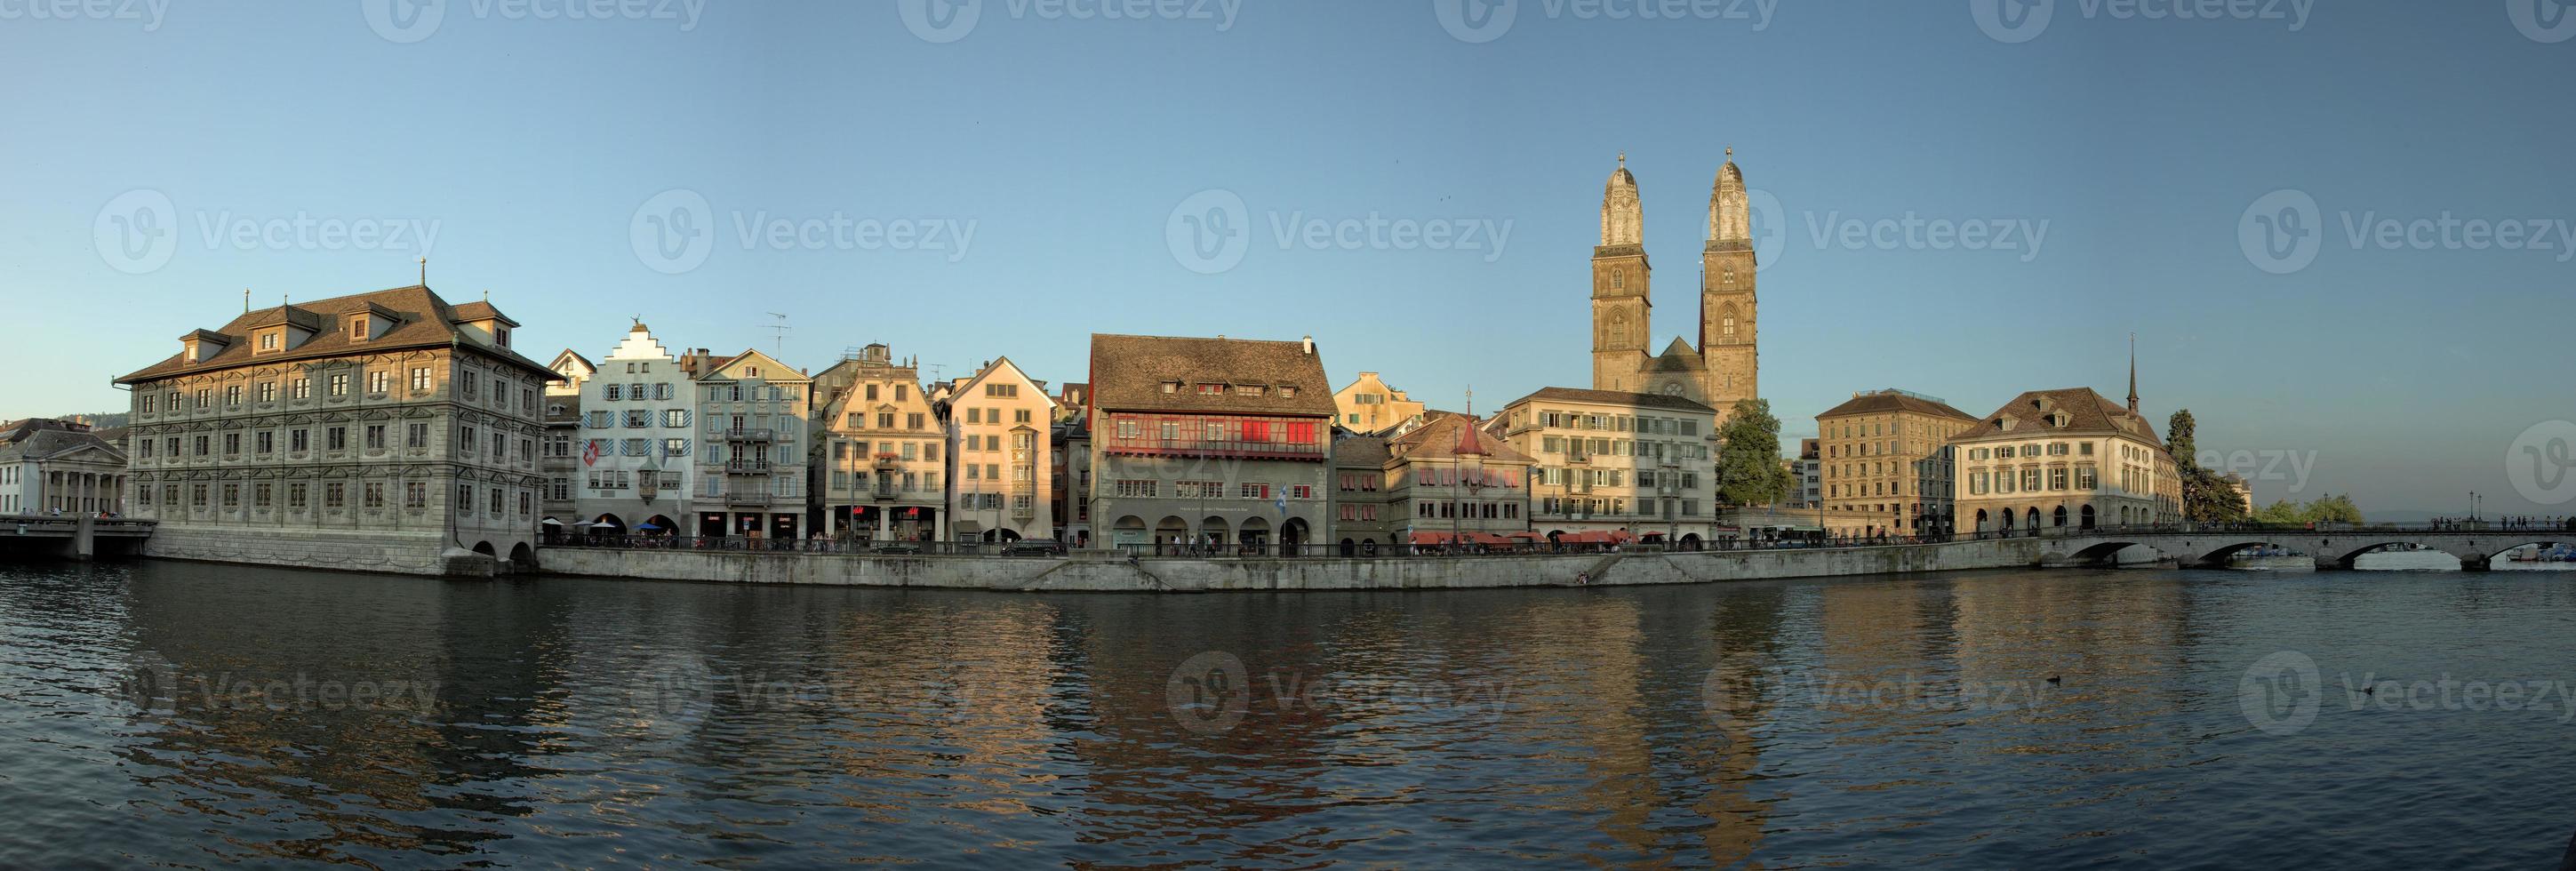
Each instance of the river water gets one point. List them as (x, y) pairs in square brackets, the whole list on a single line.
[(197, 715)]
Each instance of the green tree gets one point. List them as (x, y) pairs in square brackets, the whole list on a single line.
[(2206, 498), (2329, 508), (1749, 471)]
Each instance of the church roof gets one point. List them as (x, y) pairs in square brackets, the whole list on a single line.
[(1677, 357)]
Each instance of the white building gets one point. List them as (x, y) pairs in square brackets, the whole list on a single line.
[(1001, 452), (631, 454), (59, 467)]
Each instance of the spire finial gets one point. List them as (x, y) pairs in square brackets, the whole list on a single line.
[(2133, 372), (1623, 159), (245, 300), (424, 270), (1730, 154)]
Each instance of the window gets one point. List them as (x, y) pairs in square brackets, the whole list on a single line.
[(675, 418), (912, 420), (300, 388), (337, 438), (268, 341), (416, 435), (375, 436), (2030, 480), (335, 495), (465, 499), (1251, 490), (420, 382), (339, 384), (638, 419), (1136, 488), (371, 495), (1211, 389), (266, 392)]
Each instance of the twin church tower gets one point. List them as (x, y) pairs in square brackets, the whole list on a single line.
[(1725, 367)]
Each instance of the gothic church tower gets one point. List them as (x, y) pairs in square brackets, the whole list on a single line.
[(1622, 313), (1727, 334)]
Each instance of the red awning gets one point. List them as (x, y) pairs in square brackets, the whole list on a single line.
[(1590, 537), (1431, 538), (1525, 536)]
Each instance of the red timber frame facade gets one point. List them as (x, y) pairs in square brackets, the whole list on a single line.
[(1260, 437)]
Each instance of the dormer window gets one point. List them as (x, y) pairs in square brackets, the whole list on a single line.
[(1171, 387), (501, 336), (1286, 392), (358, 329), (269, 341), (1211, 390), (751, 371)]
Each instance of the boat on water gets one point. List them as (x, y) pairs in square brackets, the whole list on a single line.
[(2544, 554), (2271, 559)]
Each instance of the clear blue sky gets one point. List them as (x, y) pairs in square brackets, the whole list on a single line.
[(531, 141)]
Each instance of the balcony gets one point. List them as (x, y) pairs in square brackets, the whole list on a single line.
[(751, 435), (747, 467), (888, 461), (748, 497)]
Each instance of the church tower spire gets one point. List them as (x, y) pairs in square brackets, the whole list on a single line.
[(2133, 373), (1728, 315), (1622, 281)]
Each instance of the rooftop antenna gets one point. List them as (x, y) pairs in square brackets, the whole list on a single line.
[(779, 331)]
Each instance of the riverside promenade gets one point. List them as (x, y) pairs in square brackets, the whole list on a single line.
[(1112, 571)]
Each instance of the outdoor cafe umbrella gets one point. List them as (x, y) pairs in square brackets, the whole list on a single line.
[(550, 522), (646, 526)]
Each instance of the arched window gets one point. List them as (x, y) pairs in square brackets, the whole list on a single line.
[(1726, 322), (1618, 278)]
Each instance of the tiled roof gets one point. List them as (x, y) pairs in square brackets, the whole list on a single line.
[(480, 310), (1369, 451), (1614, 397), (38, 444), (1439, 439), (1677, 357), (1884, 403), (425, 322), (1128, 374), (2086, 412)]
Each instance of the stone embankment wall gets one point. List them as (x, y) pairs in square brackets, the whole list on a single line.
[(1109, 573)]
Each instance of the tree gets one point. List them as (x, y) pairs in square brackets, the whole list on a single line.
[(2329, 508), (1749, 471), (2206, 497)]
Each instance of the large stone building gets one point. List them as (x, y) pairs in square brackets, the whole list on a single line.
[(2058, 458), (1725, 366), (385, 431), (882, 453), (1224, 443), (1887, 467), (1369, 407), (1001, 445), (1616, 462), (59, 467), (633, 456), (752, 466)]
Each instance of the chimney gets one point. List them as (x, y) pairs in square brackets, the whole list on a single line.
[(1310, 345)]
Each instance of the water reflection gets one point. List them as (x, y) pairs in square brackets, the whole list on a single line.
[(234, 714)]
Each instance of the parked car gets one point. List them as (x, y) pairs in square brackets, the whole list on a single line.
[(1034, 547)]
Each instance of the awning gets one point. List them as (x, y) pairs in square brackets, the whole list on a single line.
[(1432, 538), (550, 522), (1525, 536), (1591, 537), (1489, 539), (646, 526)]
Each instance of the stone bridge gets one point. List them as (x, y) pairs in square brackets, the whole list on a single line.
[(2334, 548), (73, 537)]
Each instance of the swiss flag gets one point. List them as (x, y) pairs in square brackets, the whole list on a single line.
[(590, 452)]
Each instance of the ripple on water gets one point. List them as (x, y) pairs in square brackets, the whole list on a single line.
[(200, 715)]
